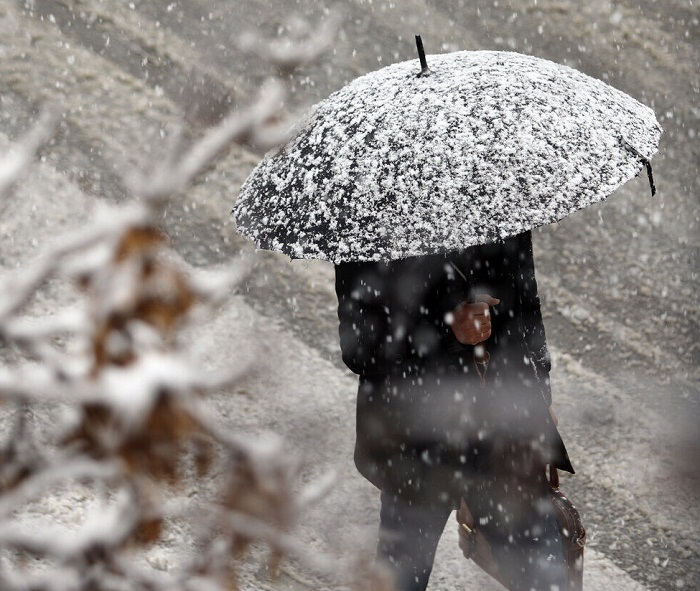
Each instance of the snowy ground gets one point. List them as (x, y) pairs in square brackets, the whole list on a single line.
[(618, 282)]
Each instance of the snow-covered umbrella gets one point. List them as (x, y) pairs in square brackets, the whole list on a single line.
[(481, 146)]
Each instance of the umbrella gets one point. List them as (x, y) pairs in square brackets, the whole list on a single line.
[(480, 146)]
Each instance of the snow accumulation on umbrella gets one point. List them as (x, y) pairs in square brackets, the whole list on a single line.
[(489, 145)]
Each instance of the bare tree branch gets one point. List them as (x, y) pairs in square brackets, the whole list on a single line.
[(135, 387)]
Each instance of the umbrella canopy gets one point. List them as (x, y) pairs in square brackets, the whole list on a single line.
[(487, 145)]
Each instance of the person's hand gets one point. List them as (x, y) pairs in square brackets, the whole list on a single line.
[(471, 322)]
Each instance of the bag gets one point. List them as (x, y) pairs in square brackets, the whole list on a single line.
[(573, 535)]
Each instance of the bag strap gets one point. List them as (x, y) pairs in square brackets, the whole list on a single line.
[(553, 476)]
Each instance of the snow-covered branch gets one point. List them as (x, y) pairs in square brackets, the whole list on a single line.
[(15, 164), (239, 127), (299, 46), (123, 420)]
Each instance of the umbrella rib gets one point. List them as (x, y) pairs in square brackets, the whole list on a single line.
[(645, 161), (459, 271)]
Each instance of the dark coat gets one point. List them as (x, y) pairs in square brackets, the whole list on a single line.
[(425, 418)]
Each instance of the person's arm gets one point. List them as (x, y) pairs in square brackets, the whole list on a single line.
[(365, 297), (396, 314)]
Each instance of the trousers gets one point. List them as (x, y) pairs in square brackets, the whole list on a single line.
[(513, 511)]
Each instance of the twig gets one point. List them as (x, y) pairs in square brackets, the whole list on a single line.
[(15, 291), (173, 178), (288, 54), (59, 471), (277, 539), (15, 164)]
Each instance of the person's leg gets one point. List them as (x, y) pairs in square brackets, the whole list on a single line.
[(408, 537)]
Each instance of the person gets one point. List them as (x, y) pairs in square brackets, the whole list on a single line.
[(453, 406)]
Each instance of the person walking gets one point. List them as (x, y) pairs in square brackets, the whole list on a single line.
[(454, 406), (388, 178)]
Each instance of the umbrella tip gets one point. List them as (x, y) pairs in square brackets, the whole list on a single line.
[(425, 70)]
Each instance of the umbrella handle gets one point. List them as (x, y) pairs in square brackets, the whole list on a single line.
[(481, 359)]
